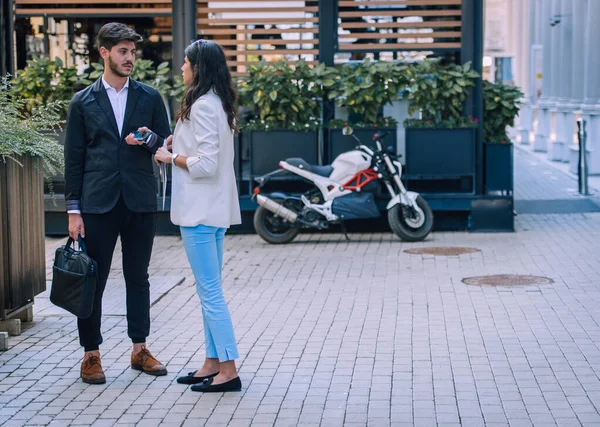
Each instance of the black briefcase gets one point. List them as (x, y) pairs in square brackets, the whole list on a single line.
[(74, 279)]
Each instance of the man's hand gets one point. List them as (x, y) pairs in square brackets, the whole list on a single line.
[(132, 141), (76, 226), (169, 142)]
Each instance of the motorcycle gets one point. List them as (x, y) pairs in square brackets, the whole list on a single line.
[(344, 190)]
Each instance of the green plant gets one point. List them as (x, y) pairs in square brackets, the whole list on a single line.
[(144, 71), (438, 91), (367, 86), (383, 123), (458, 122), (45, 80), (285, 97), (29, 133), (501, 104)]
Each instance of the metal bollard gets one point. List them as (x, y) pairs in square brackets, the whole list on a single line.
[(582, 170)]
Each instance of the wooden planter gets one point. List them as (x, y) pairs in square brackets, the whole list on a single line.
[(22, 248), (267, 149), (499, 168)]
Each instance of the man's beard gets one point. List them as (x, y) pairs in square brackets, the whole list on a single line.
[(115, 68)]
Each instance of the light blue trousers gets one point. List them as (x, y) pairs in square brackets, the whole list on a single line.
[(204, 249)]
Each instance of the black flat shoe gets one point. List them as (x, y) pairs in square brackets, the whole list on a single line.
[(207, 387), (191, 379)]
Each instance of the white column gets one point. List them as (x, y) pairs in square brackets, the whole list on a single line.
[(578, 11), (524, 17), (565, 115), (543, 131), (536, 36), (591, 104), (556, 147)]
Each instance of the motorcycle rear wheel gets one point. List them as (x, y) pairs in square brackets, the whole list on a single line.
[(273, 229), (407, 233)]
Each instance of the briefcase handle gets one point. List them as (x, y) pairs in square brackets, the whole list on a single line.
[(79, 242)]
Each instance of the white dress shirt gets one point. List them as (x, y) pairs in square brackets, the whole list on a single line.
[(118, 102)]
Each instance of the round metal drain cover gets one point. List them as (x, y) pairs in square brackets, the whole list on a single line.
[(443, 251), (507, 280)]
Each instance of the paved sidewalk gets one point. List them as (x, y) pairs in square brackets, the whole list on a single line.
[(542, 187), (338, 333)]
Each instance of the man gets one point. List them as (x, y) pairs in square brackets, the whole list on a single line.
[(111, 190)]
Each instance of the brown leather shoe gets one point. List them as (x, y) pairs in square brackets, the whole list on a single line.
[(91, 371), (144, 361)]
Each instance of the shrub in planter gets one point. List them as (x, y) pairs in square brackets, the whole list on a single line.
[(27, 152), (363, 89), (339, 143), (45, 80), (437, 91), (287, 107), (501, 104), (441, 143)]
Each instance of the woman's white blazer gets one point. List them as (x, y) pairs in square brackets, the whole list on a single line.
[(206, 193)]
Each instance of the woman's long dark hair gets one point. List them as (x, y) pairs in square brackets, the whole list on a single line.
[(209, 66)]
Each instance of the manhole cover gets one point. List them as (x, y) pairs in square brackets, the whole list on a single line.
[(507, 280), (441, 251)]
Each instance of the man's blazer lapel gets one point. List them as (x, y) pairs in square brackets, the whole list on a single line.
[(132, 98), (102, 98)]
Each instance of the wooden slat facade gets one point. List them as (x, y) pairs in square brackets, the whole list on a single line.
[(377, 26), (22, 245), (249, 31), (92, 8)]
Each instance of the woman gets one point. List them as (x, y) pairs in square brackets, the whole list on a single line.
[(205, 201)]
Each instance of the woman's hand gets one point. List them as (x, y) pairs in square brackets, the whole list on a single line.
[(169, 142), (163, 155)]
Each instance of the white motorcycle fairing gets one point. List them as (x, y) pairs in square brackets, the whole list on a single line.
[(345, 166)]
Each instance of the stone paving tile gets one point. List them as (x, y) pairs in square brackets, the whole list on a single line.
[(337, 333)]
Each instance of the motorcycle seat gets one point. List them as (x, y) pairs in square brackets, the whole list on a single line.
[(303, 164)]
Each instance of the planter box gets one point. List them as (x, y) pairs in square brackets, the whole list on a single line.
[(22, 247), (498, 168), (339, 143), (440, 152), (267, 149)]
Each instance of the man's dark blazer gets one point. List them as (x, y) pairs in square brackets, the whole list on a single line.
[(99, 164)]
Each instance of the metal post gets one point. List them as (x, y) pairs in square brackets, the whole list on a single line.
[(7, 63), (46, 36), (582, 170), (472, 50), (328, 26), (183, 29)]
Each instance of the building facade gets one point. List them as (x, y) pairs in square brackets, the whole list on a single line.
[(554, 55)]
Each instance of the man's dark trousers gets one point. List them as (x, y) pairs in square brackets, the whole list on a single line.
[(113, 185), (137, 235)]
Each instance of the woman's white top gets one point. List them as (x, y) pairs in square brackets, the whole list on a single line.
[(206, 193)]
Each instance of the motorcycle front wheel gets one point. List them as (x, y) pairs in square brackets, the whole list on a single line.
[(400, 222), (273, 229)]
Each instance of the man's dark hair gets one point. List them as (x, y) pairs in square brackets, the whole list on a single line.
[(113, 33)]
